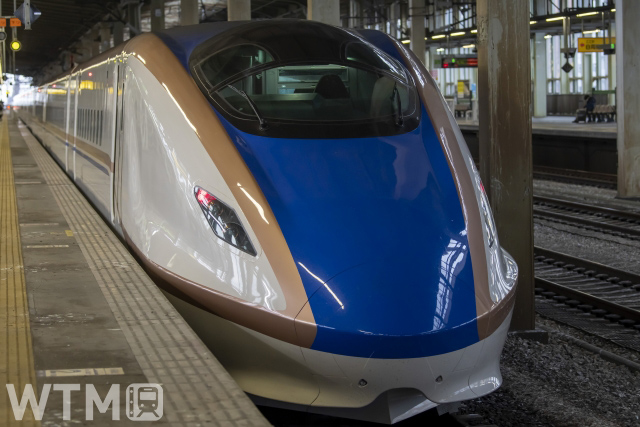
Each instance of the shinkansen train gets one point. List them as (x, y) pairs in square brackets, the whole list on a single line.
[(304, 197)]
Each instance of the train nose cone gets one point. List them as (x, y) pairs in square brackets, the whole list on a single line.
[(398, 307)]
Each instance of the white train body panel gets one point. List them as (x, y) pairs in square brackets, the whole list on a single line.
[(161, 165)]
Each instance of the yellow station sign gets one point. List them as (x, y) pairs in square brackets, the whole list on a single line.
[(593, 44)]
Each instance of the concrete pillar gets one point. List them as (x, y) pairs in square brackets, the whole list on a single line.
[(417, 13), (105, 37), (354, 8), (84, 50), (540, 65), (433, 51), (189, 12), (327, 11), (628, 102), (393, 20), (587, 82), (133, 16), (612, 68), (239, 10), (404, 16), (94, 38), (66, 61), (118, 33), (540, 76), (504, 97), (157, 15)]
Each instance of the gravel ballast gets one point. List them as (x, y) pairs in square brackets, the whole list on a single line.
[(561, 383)]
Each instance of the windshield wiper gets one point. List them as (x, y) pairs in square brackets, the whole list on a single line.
[(254, 107), (398, 115)]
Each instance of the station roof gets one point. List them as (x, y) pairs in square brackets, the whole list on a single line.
[(65, 21)]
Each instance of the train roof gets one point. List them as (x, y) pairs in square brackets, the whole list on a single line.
[(184, 40)]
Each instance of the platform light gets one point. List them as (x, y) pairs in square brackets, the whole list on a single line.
[(469, 46), (15, 45), (613, 10), (580, 15), (474, 31), (591, 31), (406, 41), (533, 22), (548, 36), (440, 49), (439, 36), (459, 33), (557, 18)]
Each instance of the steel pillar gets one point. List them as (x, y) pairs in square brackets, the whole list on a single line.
[(189, 12), (504, 97), (157, 15), (417, 12), (628, 96), (327, 11)]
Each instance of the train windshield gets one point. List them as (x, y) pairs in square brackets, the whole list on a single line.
[(279, 89)]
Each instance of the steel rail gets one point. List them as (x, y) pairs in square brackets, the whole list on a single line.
[(573, 176), (583, 268), (596, 215)]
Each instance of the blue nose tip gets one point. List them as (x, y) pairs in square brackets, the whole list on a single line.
[(395, 308)]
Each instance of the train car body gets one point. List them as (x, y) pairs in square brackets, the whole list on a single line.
[(306, 200)]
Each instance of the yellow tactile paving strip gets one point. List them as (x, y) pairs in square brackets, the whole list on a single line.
[(16, 355)]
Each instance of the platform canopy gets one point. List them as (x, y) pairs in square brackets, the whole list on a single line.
[(61, 23)]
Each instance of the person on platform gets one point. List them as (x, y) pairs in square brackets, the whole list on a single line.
[(585, 114)]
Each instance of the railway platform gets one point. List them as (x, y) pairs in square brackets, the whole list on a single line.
[(80, 321), (561, 126), (559, 143)]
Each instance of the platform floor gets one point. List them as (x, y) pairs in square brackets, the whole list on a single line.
[(560, 126), (76, 308)]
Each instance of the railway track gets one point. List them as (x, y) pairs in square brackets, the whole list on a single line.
[(572, 176), (611, 221), (593, 289)]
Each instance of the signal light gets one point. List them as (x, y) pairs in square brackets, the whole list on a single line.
[(15, 45)]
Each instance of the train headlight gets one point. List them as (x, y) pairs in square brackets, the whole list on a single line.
[(223, 221)]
